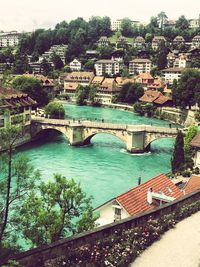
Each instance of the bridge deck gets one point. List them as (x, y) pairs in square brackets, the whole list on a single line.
[(105, 125)]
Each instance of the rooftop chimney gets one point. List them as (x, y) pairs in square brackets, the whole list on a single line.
[(139, 180), (149, 196)]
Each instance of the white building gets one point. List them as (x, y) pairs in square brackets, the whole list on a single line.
[(116, 24), (9, 39), (59, 50), (172, 74), (106, 90), (139, 65), (196, 42), (194, 23), (75, 65), (156, 42), (80, 77), (107, 66)]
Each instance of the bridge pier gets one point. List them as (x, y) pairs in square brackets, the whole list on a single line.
[(136, 142)]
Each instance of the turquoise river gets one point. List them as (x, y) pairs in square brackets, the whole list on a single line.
[(104, 169)]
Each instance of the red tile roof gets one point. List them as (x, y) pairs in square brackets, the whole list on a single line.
[(162, 100), (196, 140), (135, 200), (193, 184), (150, 96)]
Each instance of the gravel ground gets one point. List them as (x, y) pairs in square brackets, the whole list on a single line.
[(178, 247)]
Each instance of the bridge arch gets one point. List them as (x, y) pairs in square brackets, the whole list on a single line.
[(90, 134), (149, 144), (41, 130)]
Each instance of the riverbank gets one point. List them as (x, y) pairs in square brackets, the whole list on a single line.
[(168, 114)]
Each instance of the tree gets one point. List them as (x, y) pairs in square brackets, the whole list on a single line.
[(178, 158), (20, 64), (58, 64), (189, 152), (186, 92), (45, 67), (131, 92), (182, 23), (55, 110), (162, 18), (59, 209), (17, 180), (82, 94), (33, 88), (162, 56), (126, 27)]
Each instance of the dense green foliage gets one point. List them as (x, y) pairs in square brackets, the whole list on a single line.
[(33, 88), (55, 110), (130, 92), (144, 109), (189, 152), (78, 34), (58, 209), (86, 93), (186, 92), (17, 179), (178, 158), (33, 210)]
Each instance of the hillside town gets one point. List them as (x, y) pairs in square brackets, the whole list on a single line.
[(136, 82)]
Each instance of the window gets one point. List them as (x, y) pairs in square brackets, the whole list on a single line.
[(118, 211)]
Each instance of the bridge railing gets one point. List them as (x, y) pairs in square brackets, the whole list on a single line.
[(105, 125)]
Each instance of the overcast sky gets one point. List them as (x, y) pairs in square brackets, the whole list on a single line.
[(28, 15)]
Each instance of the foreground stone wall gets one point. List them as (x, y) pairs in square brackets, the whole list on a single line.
[(49, 254)]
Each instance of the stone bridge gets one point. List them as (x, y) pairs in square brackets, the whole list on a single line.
[(136, 137)]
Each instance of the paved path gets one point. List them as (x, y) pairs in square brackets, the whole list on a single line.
[(179, 247)]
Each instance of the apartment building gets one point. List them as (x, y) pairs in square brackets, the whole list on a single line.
[(59, 50), (196, 42), (194, 23), (9, 39), (172, 74), (107, 66), (116, 24), (139, 65)]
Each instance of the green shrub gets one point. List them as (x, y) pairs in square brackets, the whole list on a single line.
[(55, 110)]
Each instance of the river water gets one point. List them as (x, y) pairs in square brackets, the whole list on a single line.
[(104, 169)]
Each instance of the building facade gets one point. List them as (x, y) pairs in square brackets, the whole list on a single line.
[(75, 65), (15, 107), (9, 39), (107, 66), (156, 42), (172, 74), (139, 65)]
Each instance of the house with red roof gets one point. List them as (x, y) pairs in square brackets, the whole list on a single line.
[(144, 197), (155, 97), (193, 184), (15, 107)]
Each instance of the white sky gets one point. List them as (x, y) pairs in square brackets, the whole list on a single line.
[(28, 15)]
